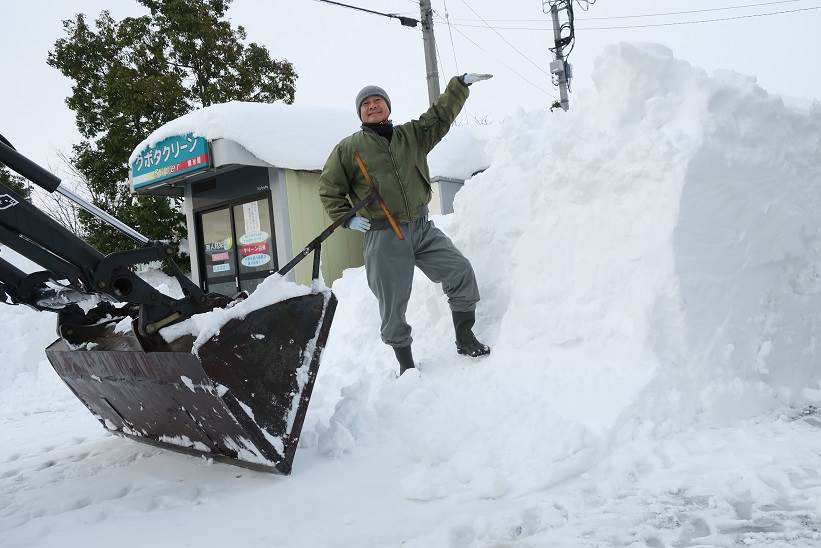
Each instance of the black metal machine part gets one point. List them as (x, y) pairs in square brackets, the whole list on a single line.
[(71, 263), (241, 398)]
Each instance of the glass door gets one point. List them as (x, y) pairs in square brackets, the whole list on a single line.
[(217, 252), (236, 246), (255, 243)]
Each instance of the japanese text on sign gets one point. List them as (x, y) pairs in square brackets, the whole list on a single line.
[(169, 151)]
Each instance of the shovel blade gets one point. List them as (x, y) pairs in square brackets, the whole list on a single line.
[(242, 399)]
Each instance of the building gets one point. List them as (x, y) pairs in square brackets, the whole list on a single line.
[(248, 175)]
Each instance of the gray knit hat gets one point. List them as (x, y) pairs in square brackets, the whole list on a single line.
[(369, 91)]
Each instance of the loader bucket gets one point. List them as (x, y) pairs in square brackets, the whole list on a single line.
[(242, 399)]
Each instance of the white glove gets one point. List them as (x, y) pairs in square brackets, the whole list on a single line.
[(359, 223), (472, 77)]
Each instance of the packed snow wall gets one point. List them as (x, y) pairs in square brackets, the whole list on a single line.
[(748, 250), (735, 333), (649, 257), (671, 219)]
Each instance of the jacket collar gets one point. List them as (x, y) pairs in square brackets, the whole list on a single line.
[(384, 129)]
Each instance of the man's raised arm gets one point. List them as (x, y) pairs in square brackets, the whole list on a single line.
[(432, 126)]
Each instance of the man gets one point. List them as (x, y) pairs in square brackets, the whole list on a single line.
[(396, 158)]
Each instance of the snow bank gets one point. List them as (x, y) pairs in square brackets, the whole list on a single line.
[(648, 258), (26, 333), (297, 137), (647, 261), (460, 155)]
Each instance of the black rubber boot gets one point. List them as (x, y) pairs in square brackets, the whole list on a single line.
[(466, 342), (405, 359)]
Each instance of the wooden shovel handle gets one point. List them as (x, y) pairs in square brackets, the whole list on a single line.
[(382, 204)]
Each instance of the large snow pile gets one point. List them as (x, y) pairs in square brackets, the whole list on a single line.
[(650, 256), (649, 265), (297, 137)]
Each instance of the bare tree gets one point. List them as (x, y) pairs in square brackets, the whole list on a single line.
[(468, 119), (60, 208)]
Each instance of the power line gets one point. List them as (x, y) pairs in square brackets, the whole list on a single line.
[(455, 60), (677, 23), (439, 56), (450, 32), (725, 8), (640, 15), (517, 50), (465, 112), (585, 4), (511, 69), (649, 25)]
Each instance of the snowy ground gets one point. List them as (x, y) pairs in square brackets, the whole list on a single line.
[(63, 482), (650, 265)]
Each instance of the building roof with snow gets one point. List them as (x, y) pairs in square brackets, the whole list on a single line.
[(301, 138)]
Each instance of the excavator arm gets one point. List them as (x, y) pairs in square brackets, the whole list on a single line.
[(240, 397), (73, 269)]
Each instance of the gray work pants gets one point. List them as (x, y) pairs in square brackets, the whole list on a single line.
[(389, 264)]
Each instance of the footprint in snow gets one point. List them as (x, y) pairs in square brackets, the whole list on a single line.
[(81, 503), (47, 464), (101, 516), (122, 492), (9, 473)]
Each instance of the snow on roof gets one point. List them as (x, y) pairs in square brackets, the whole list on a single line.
[(298, 137)]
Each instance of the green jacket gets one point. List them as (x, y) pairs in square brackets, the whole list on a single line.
[(399, 168)]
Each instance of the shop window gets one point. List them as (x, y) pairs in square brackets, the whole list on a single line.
[(236, 244)]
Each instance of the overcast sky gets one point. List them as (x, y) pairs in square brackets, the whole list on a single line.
[(336, 51)]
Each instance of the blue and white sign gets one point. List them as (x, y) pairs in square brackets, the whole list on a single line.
[(257, 259), (167, 159), (253, 237)]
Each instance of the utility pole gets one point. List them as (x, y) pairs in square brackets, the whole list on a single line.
[(560, 69), (430, 51), (559, 66)]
